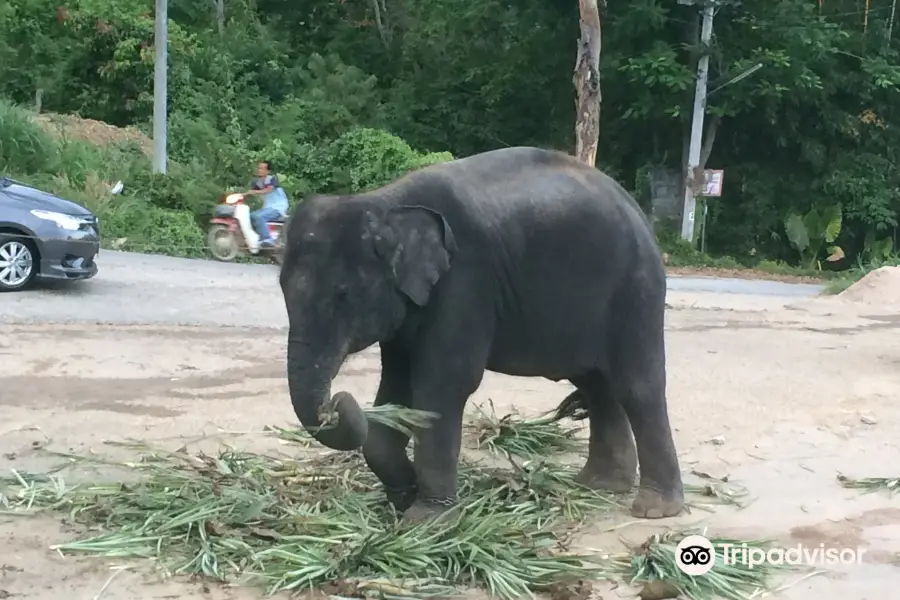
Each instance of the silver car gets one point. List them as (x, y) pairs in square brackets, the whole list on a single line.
[(43, 236)]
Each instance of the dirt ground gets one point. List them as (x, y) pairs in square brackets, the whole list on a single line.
[(93, 131), (779, 394)]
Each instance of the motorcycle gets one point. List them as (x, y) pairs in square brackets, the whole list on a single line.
[(230, 227)]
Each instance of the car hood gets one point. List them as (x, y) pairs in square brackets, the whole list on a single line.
[(36, 199)]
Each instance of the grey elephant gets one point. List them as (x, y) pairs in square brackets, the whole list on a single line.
[(520, 261)]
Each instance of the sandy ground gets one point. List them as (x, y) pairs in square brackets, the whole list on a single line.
[(794, 390)]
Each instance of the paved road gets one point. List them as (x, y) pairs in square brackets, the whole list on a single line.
[(752, 287), (133, 289)]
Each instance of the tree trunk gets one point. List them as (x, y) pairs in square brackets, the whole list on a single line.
[(381, 23), (219, 7), (587, 83), (711, 128), (709, 138), (890, 28), (692, 35)]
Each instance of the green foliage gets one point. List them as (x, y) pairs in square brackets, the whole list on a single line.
[(168, 213), (160, 231), (344, 96), (877, 249), (363, 159), (808, 233), (24, 147)]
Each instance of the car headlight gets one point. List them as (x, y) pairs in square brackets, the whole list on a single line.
[(63, 221)]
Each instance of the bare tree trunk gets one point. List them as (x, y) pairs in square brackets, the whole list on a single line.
[(219, 7), (38, 100), (709, 138), (890, 29), (381, 22), (587, 84), (692, 35), (712, 126)]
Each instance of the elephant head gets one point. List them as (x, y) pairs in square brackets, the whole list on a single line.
[(353, 268)]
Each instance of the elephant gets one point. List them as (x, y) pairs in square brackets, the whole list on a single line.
[(521, 260)]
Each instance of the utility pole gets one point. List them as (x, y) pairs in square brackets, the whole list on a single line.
[(160, 93), (690, 202)]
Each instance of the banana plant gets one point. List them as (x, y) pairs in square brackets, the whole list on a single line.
[(808, 233)]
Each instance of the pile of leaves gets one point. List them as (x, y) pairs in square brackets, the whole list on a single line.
[(527, 438), (891, 485), (322, 522), (652, 564)]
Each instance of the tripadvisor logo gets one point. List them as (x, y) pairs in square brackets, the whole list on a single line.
[(695, 555)]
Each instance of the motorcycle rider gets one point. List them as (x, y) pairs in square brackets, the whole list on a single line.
[(275, 202)]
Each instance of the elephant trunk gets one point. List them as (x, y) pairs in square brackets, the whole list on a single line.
[(309, 380)]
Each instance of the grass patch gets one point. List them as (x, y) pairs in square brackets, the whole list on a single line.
[(891, 485), (838, 285)]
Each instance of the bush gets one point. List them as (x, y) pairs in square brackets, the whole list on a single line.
[(137, 226), (432, 158), (363, 159), (25, 148), (181, 189), (168, 213)]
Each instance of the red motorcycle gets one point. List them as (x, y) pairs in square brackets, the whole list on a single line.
[(230, 227)]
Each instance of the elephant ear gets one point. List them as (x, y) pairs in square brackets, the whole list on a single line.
[(418, 244)]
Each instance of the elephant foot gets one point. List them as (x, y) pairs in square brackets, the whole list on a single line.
[(609, 481), (651, 504), (401, 499), (421, 512)]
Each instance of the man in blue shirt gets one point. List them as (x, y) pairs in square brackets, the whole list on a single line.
[(275, 202)]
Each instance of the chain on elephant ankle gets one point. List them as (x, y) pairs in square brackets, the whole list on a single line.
[(445, 501)]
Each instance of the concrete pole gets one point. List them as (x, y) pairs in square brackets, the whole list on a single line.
[(688, 218), (160, 93)]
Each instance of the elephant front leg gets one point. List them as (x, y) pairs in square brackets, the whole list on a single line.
[(385, 447), (437, 447), (436, 465)]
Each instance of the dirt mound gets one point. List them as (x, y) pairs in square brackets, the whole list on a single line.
[(89, 130), (881, 286)]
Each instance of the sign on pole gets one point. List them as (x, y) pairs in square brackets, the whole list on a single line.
[(713, 180)]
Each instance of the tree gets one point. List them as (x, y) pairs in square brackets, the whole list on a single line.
[(587, 83)]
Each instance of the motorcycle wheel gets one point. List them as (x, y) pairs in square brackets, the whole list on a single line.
[(222, 243), (278, 255)]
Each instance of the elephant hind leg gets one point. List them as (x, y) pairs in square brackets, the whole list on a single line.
[(612, 459), (638, 385)]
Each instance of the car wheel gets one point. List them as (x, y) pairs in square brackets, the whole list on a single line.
[(18, 262)]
